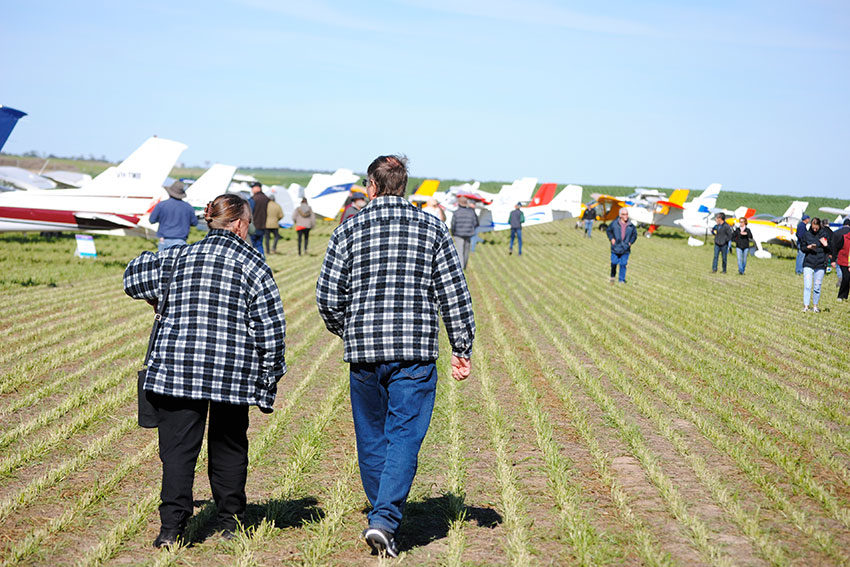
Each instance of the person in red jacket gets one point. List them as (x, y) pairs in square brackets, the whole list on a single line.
[(841, 254)]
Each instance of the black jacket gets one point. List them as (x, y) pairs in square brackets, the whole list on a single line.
[(816, 252), (742, 239), (837, 241), (722, 233), (589, 214)]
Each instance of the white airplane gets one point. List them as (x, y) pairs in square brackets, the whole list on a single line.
[(767, 229), (326, 193), (116, 199), (566, 204), (696, 217)]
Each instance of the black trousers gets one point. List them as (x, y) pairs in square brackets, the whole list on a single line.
[(305, 234), (267, 234), (845, 282), (181, 431)]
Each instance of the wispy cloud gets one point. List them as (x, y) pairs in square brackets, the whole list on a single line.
[(535, 12), (316, 11)]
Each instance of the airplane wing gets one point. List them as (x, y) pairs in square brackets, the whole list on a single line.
[(835, 211), (106, 219)]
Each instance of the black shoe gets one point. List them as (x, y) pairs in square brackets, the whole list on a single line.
[(381, 542), (167, 538)]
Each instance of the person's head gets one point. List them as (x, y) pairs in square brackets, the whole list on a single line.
[(462, 202), (624, 215), (359, 200), (304, 202), (846, 222), (815, 225), (720, 218), (742, 221), (176, 190), (387, 175), (805, 219), (518, 205), (256, 187), (229, 212)]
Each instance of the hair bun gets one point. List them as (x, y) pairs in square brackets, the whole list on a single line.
[(208, 212)]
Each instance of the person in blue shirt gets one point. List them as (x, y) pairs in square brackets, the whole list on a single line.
[(174, 216)]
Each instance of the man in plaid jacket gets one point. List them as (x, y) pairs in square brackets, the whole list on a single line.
[(388, 275)]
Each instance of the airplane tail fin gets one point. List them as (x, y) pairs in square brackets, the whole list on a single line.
[(8, 118), (568, 200), (744, 212), (142, 173), (428, 188), (707, 200), (679, 196), (329, 201), (544, 195), (795, 211), (211, 184)]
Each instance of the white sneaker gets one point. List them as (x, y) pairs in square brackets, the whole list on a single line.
[(815, 309), (805, 308)]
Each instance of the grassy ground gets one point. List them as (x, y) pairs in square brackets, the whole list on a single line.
[(685, 418)]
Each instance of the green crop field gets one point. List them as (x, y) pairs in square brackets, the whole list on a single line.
[(685, 418)]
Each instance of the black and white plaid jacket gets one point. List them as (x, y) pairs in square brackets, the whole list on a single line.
[(388, 273), (222, 335)]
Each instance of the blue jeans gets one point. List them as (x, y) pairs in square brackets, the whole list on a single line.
[(391, 403), (588, 227), (518, 233), (619, 260), (169, 242), (799, 266), (719, 250), (257, 241), (812, 280), (742, 259)]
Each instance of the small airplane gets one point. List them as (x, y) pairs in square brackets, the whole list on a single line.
[(566, 204), (117, 199)]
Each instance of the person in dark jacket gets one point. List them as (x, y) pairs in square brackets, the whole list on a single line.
[(622, 235), (174, 216), (816, 248), (742, 236), (219, 350), (464, 223), (515, 219), (358, 201), (837, 246), (259, 208), (802, 228), (722, 236), (588, 217)]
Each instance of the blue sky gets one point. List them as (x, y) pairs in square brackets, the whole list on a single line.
[(753, 95)]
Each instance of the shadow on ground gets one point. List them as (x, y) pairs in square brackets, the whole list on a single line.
[(426, 521), (281, 513)]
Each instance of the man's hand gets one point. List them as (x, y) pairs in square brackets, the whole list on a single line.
[(613, 241), (460, 368)]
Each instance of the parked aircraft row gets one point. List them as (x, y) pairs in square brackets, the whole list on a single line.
[(120, 199)]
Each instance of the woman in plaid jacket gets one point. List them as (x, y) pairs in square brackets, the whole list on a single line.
[(219, 349)]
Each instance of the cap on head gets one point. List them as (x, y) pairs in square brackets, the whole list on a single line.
[(256, 184), (805, 216)]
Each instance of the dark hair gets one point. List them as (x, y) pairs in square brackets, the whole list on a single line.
[(389, 174), (847, 222), (225, 209), (815, 221), (722, 216)]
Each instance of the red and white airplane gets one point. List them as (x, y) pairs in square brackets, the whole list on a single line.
[(114, 200)]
